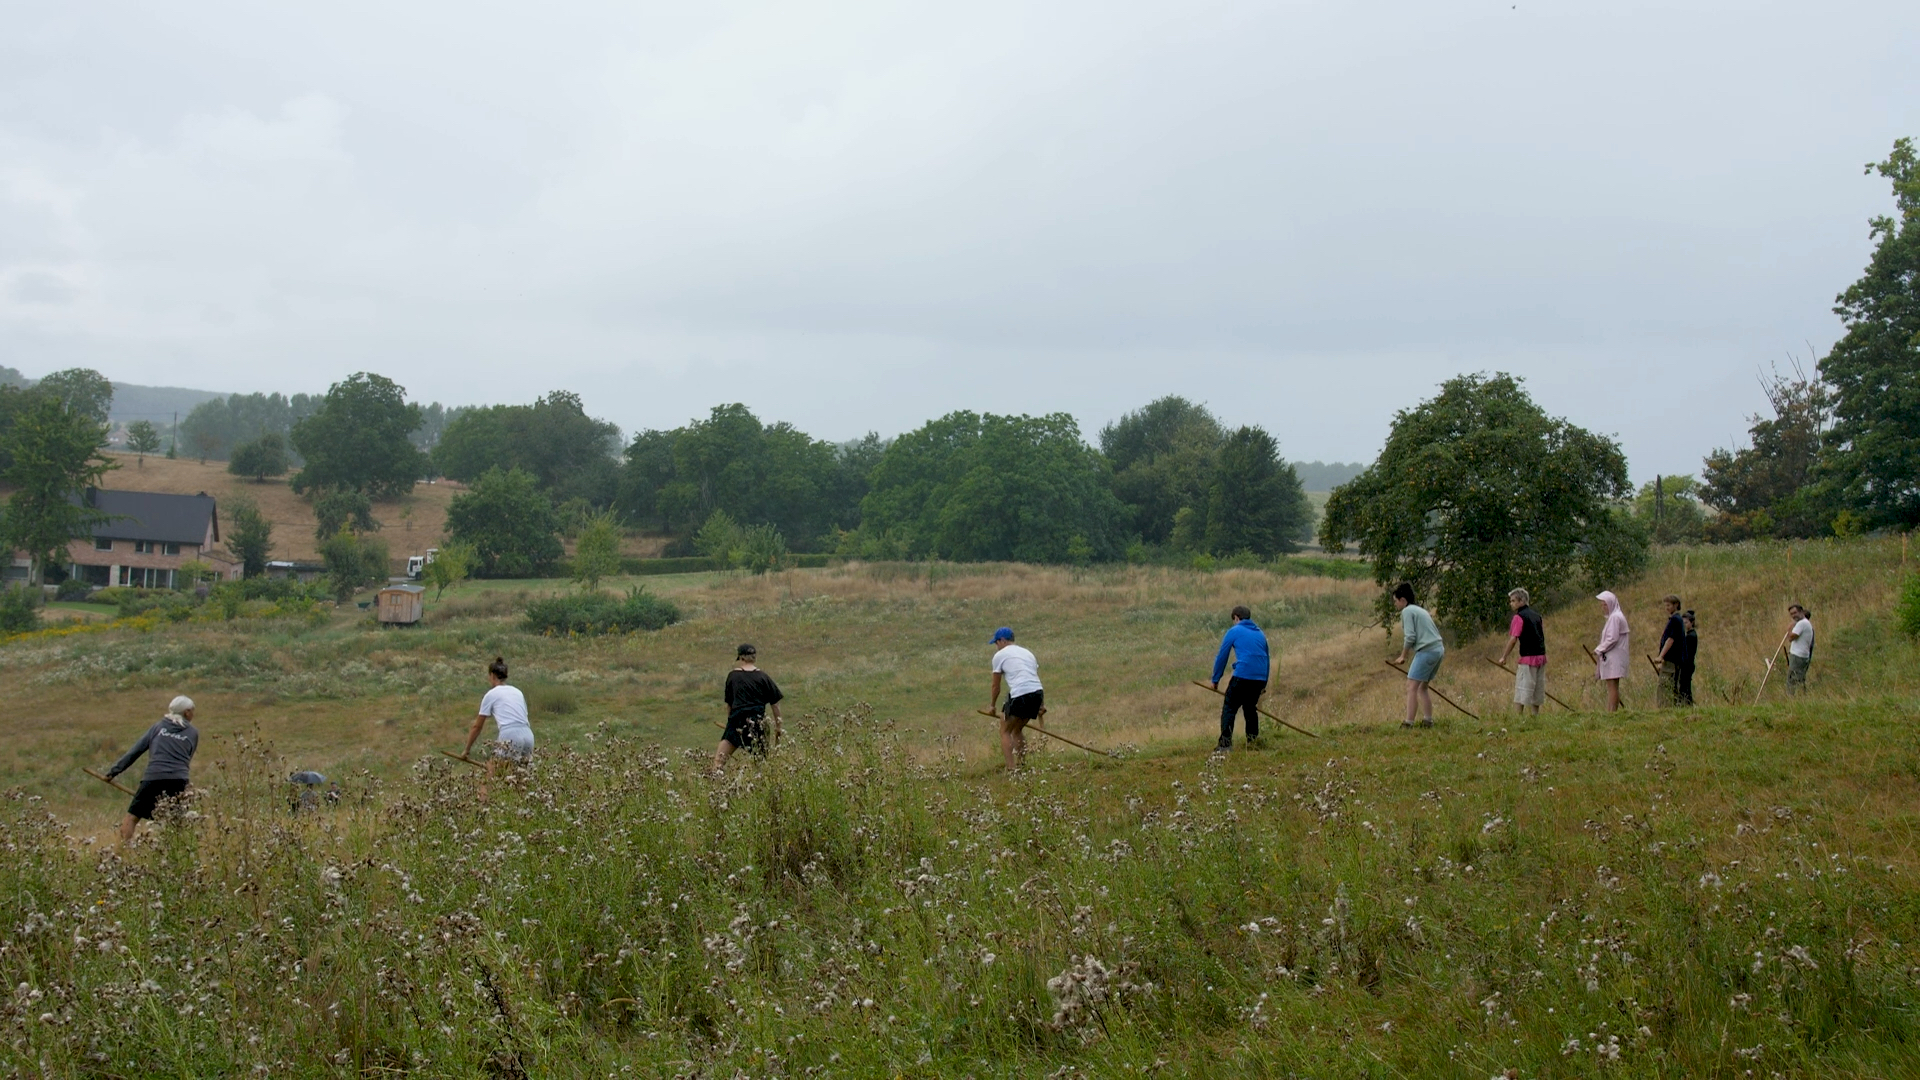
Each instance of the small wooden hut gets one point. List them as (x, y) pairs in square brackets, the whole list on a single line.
[(402, 605)]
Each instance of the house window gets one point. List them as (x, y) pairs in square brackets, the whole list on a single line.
[(169, 549), (143, 547), (146, 577), (101, 543)]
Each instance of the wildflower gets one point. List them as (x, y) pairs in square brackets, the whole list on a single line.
[(1799, 953)]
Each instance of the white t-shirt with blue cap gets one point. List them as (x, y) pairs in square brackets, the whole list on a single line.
[(1021, 670)]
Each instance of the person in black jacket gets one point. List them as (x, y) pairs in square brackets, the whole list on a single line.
[(1673, 645), (749, 693), (169, 746), (1689, 649), (1528, 633)]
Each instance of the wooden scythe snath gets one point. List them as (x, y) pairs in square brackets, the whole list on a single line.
[(1435, 689), (1258, 709)]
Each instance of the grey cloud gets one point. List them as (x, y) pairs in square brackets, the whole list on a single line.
[(859, 216)]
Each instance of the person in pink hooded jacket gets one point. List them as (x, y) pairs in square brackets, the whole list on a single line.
[(1610, 656)]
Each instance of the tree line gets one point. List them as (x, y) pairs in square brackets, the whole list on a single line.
[(1838, 451), (1168, 479)]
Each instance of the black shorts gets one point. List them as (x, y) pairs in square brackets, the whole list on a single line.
[(747, 732), (1026, 706), (150, 793)]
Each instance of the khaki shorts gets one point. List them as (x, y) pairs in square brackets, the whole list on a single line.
[(1530, 685)]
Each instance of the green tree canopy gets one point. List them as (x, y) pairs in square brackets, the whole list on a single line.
[(52, 457), (1668, 507), (249, 535), (977, 487), (84, 390), (570, 453), (1255, 502), (509, 522), (1477, 491), (1874, 448), (1769, 488), (143, 439), (337, 510), (216, 427), (359, 439), (261, 457), (759, 474), (597, 553), (1163, 458)]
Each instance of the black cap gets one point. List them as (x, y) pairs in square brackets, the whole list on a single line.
[(747, 650)]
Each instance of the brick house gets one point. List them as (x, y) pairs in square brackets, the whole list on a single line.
[(147, 537)]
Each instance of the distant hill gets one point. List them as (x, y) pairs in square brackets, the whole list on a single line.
[(132, 401), (1323, 476), (155, 403)]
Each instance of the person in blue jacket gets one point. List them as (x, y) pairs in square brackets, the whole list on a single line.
[(1248, 644)]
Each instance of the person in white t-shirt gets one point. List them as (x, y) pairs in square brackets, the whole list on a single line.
[(513, 736), (1026, 701), (1799, 647)]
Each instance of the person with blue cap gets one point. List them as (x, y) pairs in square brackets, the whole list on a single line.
[(1248, 644), (1026, 701)]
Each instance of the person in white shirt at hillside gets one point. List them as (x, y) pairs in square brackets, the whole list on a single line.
[(1799, 647), (1026, 701), (513, 735)]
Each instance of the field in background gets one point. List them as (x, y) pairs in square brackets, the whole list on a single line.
[(409, 525), (1684, 892)]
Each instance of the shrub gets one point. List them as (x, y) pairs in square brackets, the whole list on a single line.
[(600, 613), (19, 611), (1907, 610), (73, 589)]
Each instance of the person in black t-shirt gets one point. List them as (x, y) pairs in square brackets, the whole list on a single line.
[(750, 692)]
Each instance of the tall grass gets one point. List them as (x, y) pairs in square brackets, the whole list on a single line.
[(846, 908)]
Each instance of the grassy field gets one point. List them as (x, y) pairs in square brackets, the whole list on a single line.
[(1720, 891)]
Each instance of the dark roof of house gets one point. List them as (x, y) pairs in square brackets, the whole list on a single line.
[(152, 515)]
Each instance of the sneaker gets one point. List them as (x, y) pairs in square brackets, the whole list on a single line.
[(1223, 746), (1428, 722)]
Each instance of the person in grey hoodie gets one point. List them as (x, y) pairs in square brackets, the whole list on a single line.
[(169, 746)]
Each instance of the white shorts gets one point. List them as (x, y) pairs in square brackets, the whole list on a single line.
[(1530, 685), (514, 748)]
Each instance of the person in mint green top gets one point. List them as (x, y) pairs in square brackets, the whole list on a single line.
[(1421, 639)]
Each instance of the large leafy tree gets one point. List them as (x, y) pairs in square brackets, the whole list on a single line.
[(84, 390), (53, 454), (572, 454), (509, 523), (1163, 458), (260, 458), (759, 474), (1255, 502), (1769, 487), (1874, 448), (976, 487), (249, 536), (1477, 491), (359, 439)]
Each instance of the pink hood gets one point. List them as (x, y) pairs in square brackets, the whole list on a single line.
[(1615, 630)]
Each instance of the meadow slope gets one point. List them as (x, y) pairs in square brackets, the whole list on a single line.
[(1719, 891)]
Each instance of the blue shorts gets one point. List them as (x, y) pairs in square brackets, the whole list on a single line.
[(1426, 662)]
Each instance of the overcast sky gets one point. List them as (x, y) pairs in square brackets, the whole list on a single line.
[(859, 216)]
